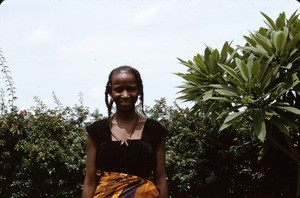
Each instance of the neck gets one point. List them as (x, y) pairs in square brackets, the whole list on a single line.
[(125, 115)]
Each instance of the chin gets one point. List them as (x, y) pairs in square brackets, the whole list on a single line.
[(126, 107)]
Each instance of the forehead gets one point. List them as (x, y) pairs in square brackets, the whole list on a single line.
[(123, 77)]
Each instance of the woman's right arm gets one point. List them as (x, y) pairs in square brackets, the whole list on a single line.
[(89, 184)]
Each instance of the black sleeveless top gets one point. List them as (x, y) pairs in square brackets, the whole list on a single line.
[(138, 158)]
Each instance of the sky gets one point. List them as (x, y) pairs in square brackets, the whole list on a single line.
[(69, 47)]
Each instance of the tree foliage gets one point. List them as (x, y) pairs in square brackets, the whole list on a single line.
[(257, 83)]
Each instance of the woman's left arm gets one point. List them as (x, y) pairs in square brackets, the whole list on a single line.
[(161, 179)]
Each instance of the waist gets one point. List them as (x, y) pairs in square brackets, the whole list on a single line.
[(114, 184)]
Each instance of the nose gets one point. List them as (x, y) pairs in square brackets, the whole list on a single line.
[(125, 94)]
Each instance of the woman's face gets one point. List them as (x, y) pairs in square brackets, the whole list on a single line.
[(124, 90)]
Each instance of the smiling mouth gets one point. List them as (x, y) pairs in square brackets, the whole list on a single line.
[(125, 102)]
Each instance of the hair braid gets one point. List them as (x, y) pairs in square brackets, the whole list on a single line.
[(108, 104), (137, 75), (141, 87)]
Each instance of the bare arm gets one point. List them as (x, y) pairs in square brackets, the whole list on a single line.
[(161, 179), (89, 184)]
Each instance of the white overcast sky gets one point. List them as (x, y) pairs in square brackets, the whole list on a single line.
[(70, 46)]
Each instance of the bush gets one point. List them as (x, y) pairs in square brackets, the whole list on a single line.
[(201, 161), (42, 154), (43, 151)]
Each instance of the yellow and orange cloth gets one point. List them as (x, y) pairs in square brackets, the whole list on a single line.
[(121, 185)]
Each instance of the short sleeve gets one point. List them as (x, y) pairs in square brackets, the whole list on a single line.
[(96, 131), (163, 133), (158, 132)]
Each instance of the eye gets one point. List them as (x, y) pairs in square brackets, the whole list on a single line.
[(132, 88), (118, 89)]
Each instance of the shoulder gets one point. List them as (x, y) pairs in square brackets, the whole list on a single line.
[(97, 124), (156, 129), (96, 129), (154, 123)]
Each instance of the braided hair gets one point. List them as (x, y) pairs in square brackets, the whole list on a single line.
[(108, 87)]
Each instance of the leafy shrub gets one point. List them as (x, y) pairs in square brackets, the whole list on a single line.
[(201, 161), (42, 154), (43, 151)]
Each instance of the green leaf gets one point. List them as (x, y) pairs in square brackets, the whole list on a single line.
[(292, 43), (229, 110), (294, 17), (266, 66), (201, 65), (269, 22), (207, 95), (232, 56), (231, 72), (250, 40), (245, 100), (264, 42), (280, 41), (294, 51), (225, 92), (224, 52), (268, 114), (280, 21), (207, 53), (281, 104), (281, 89), (266, 81), (230, 119), (290, 109), (221, 99), (256, 69), (212, 61), (218, 86), (259, 50), (243, 69), (191, 78), (259, 126), (289, 66)]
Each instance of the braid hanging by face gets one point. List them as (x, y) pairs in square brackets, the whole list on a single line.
[(108, 87)]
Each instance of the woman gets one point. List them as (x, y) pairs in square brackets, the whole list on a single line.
[(126, 151)]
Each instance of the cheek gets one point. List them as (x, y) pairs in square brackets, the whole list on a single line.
[(137, 94)]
